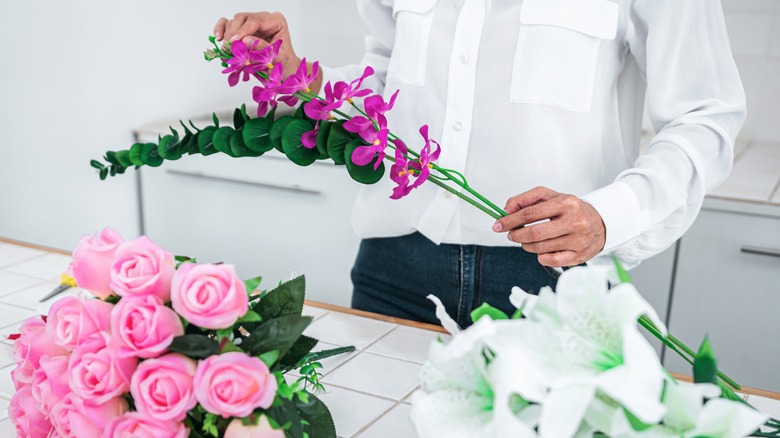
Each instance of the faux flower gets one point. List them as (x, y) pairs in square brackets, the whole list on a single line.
[(266, 95), (162, 388), (234, 384), (140, 267), (144, 327), (136, 425), (91, 264), (320, 109), (101, 375), (73, 321), (347, 91), (376, 137), (375, 105), (32, 344), (300, 81), (403, 170), (26, 416), (209, 296), (49, 383), (263, 429), (248, 60), (73, 417)]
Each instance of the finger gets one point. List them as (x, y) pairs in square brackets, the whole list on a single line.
[(265, 25), (533, 213), (234, 25), (539, 232), (531, 197), (567, 242), (251, 40), (560, 259), (219, 28)]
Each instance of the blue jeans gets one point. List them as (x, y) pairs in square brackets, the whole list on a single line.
[(392, 276)]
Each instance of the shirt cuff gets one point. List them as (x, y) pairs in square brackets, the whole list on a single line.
[(619, 209)]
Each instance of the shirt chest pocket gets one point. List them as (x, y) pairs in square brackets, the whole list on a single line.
[(557, 51), (413, 21)]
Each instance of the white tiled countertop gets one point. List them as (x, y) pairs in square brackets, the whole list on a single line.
[(368, 391), (755, 176)]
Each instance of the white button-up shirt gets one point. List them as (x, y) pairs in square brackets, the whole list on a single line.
[(551, 93)]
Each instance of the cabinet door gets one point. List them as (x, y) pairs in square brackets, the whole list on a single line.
[(265, 215), (653, 279), (731, 295)]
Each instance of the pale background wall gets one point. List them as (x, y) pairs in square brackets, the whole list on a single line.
[(78, 76)]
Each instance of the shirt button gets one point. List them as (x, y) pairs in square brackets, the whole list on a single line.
[(457, 126), (464, 59), (447, 195)]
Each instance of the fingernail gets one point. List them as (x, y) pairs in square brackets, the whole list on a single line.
[(218, 35), (233, 38), (497, 227), (509, 236)]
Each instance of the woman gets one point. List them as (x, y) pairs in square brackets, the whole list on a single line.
[(543, 98)]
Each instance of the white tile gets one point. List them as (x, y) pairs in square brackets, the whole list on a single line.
[(314, 312), (6, 384), (10, 282), (766, 405), (7, 428), (12, 254), (9, 330), (29, 298), (406, 343), (393, 424), (6, 354), (343, 329), (352, 411), (377, 375), (12, 314), (4, 409), (47, 267), (749, 32)]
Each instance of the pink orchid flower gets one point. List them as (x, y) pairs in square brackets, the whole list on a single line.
[(320, 109), (346, 92), (265, 95), (403, 170), (377, 139), (300, 81), (249, 61)]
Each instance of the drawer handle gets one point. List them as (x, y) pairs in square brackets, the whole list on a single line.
[(201, 175), (760, 251)]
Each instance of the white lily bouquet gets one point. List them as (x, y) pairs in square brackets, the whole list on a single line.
[(572, 364)]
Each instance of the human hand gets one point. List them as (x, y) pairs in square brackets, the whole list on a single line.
[(264, 28), (574, 234)]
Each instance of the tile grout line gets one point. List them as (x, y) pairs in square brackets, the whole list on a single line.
[(16, 291), (358, 352), (24, 261), (375, 420)]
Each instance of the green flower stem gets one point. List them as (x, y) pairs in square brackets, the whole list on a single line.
[(676, 345), (465, 198)]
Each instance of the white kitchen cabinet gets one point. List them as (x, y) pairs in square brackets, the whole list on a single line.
[(728, 287), (265, 215)]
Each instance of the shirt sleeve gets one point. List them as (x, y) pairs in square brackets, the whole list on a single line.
[(697, 107), (378, 16)]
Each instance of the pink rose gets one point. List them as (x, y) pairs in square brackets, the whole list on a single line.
[(101, 375), (263, 429), (135, 425), (75, 321), (50, 381), (140, 267), (73, 417), (143, 326), (26, 416), (234, 384), (32, 344), (209, 296), (91, 264), (163, 388)]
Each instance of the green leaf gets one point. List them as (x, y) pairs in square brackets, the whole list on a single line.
[(362, 174), (96, 164), (487, 310), (317, 416), (124, 158), (251, 316), (298, 351), (300, 114), (322, 139), (194, 346), (256, 135), (221, 139), (276, 334), (286, 300), (205, 143), (149, 155), (705, 366), (636, 424), (169, 148), (103, 173), (324, 354), (135, 155), (269, 358), (622, 273), (292, 146), (110, 156), (251, 284), (338, 138), (284, 412), (238, 119), (215, 119), (238, 148), (276, 131)]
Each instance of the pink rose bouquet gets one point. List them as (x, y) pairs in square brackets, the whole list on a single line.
[(166, 347)]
